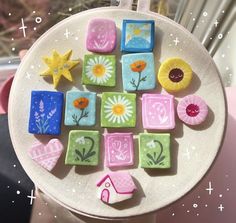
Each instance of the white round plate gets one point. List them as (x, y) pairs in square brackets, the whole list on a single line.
[(193, 149)]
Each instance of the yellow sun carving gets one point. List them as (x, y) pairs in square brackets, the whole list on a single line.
[(59, 65), (137, 31)]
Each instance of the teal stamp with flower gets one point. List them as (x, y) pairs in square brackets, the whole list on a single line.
[(80, 108), (99, 70), (83, 148), (118, 110), (154, 150)]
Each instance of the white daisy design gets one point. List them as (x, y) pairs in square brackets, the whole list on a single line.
[(118, 109), (99, 69)]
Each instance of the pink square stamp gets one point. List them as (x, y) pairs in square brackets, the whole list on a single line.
[(101, 36), (119, 149), (158, 111)]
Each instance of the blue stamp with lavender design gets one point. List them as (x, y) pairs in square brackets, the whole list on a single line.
[(46, 112), (137, 35), (80, 108)]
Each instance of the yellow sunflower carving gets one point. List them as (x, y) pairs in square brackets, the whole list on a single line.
[(175, 74)]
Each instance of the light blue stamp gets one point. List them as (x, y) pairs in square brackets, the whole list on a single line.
[(80, 108), (138, 72)]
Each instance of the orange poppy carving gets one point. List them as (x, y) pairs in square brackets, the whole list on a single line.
[(138, 66), (81, 103)]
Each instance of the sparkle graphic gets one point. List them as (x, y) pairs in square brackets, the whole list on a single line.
[(187, 154), (216, 23), (66, 34), (23, 27), (32, 197), (28, 75), (210, 188), (176, 41), (221, 207)]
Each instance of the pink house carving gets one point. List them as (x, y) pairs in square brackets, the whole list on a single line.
[(115, 187)]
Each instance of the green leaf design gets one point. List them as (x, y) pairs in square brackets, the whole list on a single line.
[(155, 159), (85, 154)]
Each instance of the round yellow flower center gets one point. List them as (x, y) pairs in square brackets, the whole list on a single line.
[(137, 31), (99, 70), (118, 109)]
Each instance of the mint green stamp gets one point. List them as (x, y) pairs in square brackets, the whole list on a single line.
[(154, 150), (118, 110), (99, 70), (83, 148)]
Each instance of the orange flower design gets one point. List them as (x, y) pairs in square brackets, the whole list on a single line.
[(81, 103), (138, 66)]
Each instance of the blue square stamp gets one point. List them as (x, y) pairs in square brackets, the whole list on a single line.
[(46, 112), (137, 35), (138, 72), (80, 108)]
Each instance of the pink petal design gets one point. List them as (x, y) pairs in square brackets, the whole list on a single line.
[(46, 155), (194, 100)]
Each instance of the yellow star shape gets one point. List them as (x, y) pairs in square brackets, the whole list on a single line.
[(59, 65)]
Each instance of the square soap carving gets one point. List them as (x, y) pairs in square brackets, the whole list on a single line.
[(154, 150), (46, 112), (118, 109), (80, 108), (83, 148), (99, 70), (119, 149), (137, 35), (138, 71), (101, 36), (158, 111)]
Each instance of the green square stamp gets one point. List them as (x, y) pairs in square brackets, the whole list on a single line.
[(83, 148), (154, 150), (118, 110), (99, 70)]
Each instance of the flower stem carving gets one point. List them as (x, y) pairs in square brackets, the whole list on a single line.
[(84, 155), (156, 158), (138, 66)]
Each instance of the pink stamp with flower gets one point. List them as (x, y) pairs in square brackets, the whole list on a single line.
[(158, 111), (119, 149), (101, 36)]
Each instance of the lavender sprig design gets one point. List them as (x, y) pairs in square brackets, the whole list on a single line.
[(41, 118)]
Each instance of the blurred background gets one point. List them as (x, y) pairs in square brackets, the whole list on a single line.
[(211, 21)]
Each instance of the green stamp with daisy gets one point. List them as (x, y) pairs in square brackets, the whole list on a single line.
[(118, 110), (99, 70)]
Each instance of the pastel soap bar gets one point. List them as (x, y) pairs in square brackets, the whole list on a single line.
[(175, 74), (46, 112), (158, 111), (138, 71), (83, 148), (137, 35), (192, 110), (115, 187), (99, 70), (154, 150), (119, 149), (101, 36), (118, 110), (46, 155), (80, 108)]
